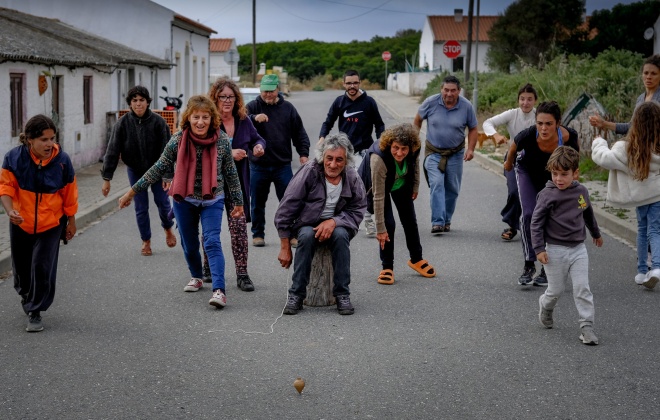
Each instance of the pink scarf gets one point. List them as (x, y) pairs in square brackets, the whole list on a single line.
[(183, 184)]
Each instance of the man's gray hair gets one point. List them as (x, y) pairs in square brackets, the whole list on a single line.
[(332, 142)]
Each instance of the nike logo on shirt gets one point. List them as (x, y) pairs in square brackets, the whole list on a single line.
[(349, 114)]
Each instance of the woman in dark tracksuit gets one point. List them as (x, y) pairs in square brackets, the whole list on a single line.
[(39, 194), (533, 147)]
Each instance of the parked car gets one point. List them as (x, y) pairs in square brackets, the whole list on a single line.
[(249, 94)]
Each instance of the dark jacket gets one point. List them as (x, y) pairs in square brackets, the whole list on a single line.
[(560, 217), (284, 127), (245, 137), (357, 118), (304, 201), (534, 160), (138, 141)]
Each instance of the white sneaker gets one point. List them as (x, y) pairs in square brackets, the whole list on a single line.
[(193, 285), (652, 278), (219, 299), (640, 278), (369, 226)]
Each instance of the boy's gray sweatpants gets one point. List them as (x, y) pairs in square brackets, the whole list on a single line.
[(562, 261)]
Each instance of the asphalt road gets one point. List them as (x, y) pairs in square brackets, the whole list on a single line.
[(123, 340)]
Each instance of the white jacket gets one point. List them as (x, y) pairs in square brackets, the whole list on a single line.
[(622, 189), (515, 119)]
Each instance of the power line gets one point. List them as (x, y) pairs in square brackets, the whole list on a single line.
[(380, 10), (331, 21)]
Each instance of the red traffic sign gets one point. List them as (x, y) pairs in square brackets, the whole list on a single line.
[(452, 49), (386, 56)]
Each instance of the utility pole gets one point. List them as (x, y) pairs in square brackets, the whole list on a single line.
[(254, 41), (475, 93), (469, 42)]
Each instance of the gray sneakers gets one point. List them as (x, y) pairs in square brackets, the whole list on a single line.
[(545, 315), (34, 322), (587, 336)]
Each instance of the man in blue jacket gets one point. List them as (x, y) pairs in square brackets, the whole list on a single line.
[(325, 201), (358, 116)]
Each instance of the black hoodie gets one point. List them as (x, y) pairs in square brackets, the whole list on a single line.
[(357, 118)]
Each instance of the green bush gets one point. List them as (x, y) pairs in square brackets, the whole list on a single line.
[(613, 78)]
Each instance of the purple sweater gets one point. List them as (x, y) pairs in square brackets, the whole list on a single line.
[(560, 217)]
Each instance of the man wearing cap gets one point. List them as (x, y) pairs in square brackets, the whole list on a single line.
[(358, 116), (278, 122)]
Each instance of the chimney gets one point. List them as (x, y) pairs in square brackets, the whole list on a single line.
[(458, 15)]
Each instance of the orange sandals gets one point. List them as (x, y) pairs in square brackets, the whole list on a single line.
[(423, 268)]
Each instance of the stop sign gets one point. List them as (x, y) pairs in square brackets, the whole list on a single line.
[(386, 56), (452, 49)]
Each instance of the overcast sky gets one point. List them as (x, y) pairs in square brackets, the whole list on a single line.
[(329, 20)]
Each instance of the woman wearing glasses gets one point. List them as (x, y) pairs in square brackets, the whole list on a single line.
[(243, 138)]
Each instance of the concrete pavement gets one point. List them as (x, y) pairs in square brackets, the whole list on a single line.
[(93, 205)]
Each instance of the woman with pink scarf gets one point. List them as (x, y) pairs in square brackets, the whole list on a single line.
[(204, 164)]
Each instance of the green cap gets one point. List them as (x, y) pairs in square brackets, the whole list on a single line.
[(269, 82)]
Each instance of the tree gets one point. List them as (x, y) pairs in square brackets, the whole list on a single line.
[(621, 28), (532, 31)]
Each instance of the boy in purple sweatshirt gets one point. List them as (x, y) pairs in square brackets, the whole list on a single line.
[(558, 231)]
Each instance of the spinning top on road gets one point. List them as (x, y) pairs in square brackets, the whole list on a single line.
[(299, 384)]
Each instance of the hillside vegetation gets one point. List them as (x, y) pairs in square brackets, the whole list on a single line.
[(308, 58)]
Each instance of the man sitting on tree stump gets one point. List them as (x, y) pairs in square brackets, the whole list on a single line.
[(325, 201)]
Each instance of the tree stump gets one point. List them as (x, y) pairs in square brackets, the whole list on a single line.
[(319, 288)]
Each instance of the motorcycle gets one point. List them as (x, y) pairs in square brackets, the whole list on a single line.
[(171, 103)]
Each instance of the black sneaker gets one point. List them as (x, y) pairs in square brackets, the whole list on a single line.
[(344, 306), (34, 322), (437, 229), (541, 279), (526, 278), (244, 283), (293, 304)]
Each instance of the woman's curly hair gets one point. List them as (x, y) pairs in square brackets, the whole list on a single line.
[(643, 139), (200, 103), (239, 104), (405, 134)]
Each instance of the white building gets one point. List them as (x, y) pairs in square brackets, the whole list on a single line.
[(110, 47), (143, 26), (440, 29), (48, 67), (223, 59)]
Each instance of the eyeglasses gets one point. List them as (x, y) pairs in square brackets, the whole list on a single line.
[(223, 98), (351, 83)]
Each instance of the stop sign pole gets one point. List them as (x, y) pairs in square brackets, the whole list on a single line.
[(386, 56)]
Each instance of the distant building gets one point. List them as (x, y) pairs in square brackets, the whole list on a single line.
[(440, 29), (223, 58), (166, 49)]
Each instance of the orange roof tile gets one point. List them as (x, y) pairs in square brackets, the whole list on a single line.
[(445, 28), (220, 44)]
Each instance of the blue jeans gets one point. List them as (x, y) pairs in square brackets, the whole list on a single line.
[(188, 217), (260, 180), (141, 200), (444, 186), (648, 232), (339, 244)]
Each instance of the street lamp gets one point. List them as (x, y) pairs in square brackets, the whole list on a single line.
[(230, 60)]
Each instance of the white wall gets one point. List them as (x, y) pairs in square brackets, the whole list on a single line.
[(220, 67), (410, 84), (84, 149), (441, 62), (426, 46), (190, 48)]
